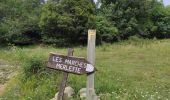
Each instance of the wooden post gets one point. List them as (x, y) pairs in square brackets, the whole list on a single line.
[(64, 79), (91, 58)]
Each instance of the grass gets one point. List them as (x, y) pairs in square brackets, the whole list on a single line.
[(131, 70)]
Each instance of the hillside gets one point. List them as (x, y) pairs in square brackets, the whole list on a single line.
[(131, 70)]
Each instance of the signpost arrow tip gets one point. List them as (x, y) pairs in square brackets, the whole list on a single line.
[(89, 68)]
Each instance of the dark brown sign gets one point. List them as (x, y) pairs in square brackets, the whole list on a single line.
[(70, 64)]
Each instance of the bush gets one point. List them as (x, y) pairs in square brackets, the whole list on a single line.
[(33, 64), (105, 30), (11, 31), (19, 32), (19, 25), (161, 17)]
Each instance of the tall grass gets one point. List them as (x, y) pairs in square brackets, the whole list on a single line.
[(135, 69)]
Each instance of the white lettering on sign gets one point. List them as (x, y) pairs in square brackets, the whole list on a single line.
[(74, 62), (57, 59), (70, 64), (68, 68)]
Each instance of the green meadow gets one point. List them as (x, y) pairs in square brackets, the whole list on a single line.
[(133, 70)]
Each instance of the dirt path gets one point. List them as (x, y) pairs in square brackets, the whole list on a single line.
[(2, 88), (6, 72)]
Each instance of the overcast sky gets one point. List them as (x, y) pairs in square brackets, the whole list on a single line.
[(166, 2)]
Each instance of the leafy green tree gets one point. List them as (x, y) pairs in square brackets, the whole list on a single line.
[(19, 23), (161, 19), (106, 30), (66, 21), (131, 17)]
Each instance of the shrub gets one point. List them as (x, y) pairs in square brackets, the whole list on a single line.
[(19, 25), (33, 65), (105, 30), (161, 17)]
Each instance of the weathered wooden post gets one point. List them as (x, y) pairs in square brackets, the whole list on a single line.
[(64, 79), (91, 95)]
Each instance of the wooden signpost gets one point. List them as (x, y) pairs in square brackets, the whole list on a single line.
[(76, 65), (64, 80)]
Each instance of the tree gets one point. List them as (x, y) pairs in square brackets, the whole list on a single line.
[(131, 17), (19, 23), (66, 21), (161, 19)]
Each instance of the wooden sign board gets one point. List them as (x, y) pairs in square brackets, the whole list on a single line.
[(69, 64)]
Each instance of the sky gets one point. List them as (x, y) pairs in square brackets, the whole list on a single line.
[(166, 2)]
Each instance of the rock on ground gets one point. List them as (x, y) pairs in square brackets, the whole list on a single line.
[(83, 94), (68, 94), (69, 91)]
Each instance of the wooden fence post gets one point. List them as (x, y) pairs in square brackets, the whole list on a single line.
[(91, 95)]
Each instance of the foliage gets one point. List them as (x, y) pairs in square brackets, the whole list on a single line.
[(130, 17), (161, 17), (66, 21), (106, 32), (33, 65), (19, 25)]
